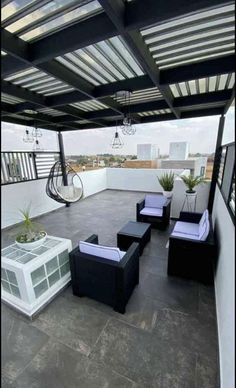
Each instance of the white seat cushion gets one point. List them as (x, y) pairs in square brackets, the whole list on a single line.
[(186, 228), (205, 216), (204, 230), (122, 253), (151, 211), (154, 200), (185, 235), (109, 253)]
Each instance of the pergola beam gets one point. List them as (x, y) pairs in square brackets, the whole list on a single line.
[(73, 114), (10, 44), (203, 69), (115, 9), (230, 101), (140, 14), (24, 94), (79, 35)]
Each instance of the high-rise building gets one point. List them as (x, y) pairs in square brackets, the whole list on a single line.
[(147, 151), (178, 150)]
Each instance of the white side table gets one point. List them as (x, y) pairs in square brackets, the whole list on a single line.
[(30, 279)]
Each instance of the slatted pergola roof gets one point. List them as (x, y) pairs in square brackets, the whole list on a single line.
[(63, 61)]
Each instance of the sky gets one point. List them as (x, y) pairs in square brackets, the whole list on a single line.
[(200, 133)]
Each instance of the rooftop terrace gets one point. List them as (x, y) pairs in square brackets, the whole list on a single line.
[(63, 64), (166, 338)]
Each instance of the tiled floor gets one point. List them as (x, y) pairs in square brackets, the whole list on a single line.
[(166, 339)]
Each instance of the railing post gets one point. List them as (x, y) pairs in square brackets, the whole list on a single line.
[(216, 163), (63, 161), (35, 164)]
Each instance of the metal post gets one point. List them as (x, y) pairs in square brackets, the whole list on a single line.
[(216, 163), (63, 160)]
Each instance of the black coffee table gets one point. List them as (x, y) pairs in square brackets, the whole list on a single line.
[(134, 232)]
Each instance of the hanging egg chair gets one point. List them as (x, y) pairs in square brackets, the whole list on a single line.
[(57, 190)]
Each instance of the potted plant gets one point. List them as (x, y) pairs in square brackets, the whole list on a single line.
[(31, 234), (190, 182), (167, 183)]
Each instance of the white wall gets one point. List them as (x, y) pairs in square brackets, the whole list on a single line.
[(179, 196), (20, 195), (225, 289), (140, 179), (94, 181), (146, 180)]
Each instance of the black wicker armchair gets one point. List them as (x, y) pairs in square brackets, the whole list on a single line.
[(189, 256), (105, 280), (155, 210)]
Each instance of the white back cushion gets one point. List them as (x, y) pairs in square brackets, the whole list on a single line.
[(101, 251), (154, 200), (205, 216), (204, 230), (186, 228)]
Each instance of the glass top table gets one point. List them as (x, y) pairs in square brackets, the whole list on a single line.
[(30, 279)]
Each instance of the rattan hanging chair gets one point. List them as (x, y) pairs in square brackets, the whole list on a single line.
[(57, 190)]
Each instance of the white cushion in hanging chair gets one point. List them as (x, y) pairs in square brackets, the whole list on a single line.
[(69, 193)]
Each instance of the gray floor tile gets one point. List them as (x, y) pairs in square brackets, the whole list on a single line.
[(57, 366), (143, 358), (176, 293), (74, 324), (20, 343), (185, 330), (154, 265), (206, 373)]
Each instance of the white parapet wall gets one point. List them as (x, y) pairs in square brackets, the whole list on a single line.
[(146, 180), (141, 179), (94, 181), (18, 196)]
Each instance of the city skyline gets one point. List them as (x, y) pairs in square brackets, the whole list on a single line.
[(98, 141)]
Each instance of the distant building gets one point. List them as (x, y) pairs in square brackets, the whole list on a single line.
[(178, 150), (179, 159), (197, 166), (147, 151), (140, 164)]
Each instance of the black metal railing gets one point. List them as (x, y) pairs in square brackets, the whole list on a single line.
[(23, 166)]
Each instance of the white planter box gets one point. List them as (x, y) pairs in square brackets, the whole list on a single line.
[(30, 279)]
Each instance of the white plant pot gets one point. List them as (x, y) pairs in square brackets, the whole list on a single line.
[(193, 194), (31, 245), (167, 194)]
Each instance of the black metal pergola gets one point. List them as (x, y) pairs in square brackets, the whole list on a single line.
[(63, 62)]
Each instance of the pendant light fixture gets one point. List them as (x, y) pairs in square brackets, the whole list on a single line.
[(36, 132), (117, 141), (28, 138), (126, 126)]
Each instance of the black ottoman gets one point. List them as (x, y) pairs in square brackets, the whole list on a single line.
[(134, 232)]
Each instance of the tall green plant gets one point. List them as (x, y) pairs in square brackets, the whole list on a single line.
[(191, 181), (167, 181)]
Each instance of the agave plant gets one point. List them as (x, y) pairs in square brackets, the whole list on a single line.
[(167, 181), (29, 231), (192, 181)]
